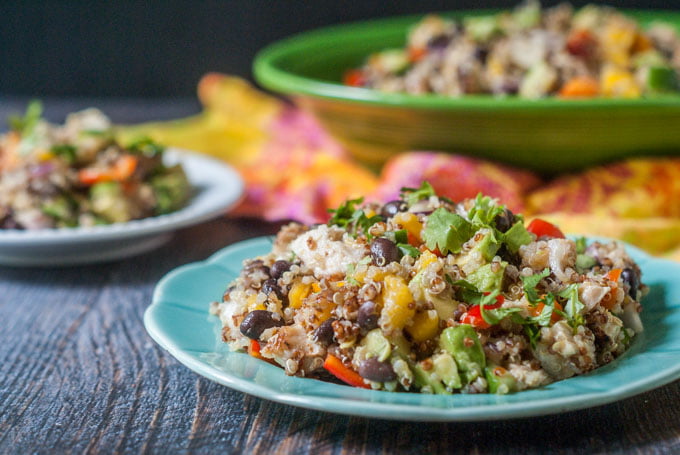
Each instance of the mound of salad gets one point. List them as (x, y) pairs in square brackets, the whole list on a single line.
[(595, 51), (77, 174), (424, 294)]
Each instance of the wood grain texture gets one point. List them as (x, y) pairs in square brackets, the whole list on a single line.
[(79, 374)]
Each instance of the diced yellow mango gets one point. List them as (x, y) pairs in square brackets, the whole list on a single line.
[(426, 258), (410, 222), (398, 305), (298, 292), (253, 304), (619, 83), (425, 326)]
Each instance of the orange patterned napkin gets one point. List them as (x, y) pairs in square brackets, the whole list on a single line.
[(295, 171)]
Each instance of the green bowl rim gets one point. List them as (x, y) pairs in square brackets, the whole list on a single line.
[(270, 75)]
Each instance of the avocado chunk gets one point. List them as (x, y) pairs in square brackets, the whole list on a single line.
[(488, 245), (62, 210), (464, 346), (428, 379), (171, 189), (485, 279), (109, 202), (377, 345), (500, 380)]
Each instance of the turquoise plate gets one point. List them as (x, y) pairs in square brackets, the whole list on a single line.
[(178, 320)]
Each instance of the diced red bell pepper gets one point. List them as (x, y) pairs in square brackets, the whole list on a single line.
[(335, 367), (354, 78), (542, 228), (474, 317)]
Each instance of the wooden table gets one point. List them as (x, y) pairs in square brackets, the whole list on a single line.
[(78, 373)]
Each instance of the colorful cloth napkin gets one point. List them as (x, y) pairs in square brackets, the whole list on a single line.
[(295, 171)]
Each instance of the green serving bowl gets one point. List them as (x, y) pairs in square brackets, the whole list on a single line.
[(547, 135)]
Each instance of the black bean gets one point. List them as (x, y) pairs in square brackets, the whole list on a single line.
[(278, 268), (481, 53), (257, 321), (367, 316), (630, 277), (270, 286), (324, 333), (375, 370), (384, 251), (438, 42), (392, 208), (504, 220)]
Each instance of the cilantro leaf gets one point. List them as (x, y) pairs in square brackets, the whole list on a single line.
[(353, 219), (515, 237), (413, 195), (573, 306), (530, 282), (342, 216), (25, 125), (446, 231), (407, 249), (485, 210), (468, 292), (66, 151), (147, 147), (533, 332)]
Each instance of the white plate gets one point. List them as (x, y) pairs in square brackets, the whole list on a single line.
[(216, 188)]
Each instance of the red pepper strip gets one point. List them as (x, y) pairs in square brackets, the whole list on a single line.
[(474, 317), (614, 275), (416, 54), (254, 350), (340, 371), (354, 78), (542, 228), (122, 170)]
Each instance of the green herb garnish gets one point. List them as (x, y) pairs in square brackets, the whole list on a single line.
[(147, 147), (446, 231)]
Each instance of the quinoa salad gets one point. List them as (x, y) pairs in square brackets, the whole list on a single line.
[(595, 51), (77, 174), (424, 294)]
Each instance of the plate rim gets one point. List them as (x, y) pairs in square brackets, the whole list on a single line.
[(391, 411)]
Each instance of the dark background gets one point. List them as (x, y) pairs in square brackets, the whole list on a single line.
[(161, 48)]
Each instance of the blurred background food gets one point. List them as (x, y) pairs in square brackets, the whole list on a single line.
[(293, 167)]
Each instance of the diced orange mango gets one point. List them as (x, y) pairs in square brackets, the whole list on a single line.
[(410, 222), (298, 292), (398, 305), (425, 326)]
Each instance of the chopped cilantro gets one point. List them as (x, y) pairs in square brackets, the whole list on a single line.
[(573, 306), (342, 216), (25, 125), (351, 268), (147, 147), (446, 231), (353, 219), (409, 250), (485, 210), (530, 283), (65, 151), (533, 333), (413, 195)]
